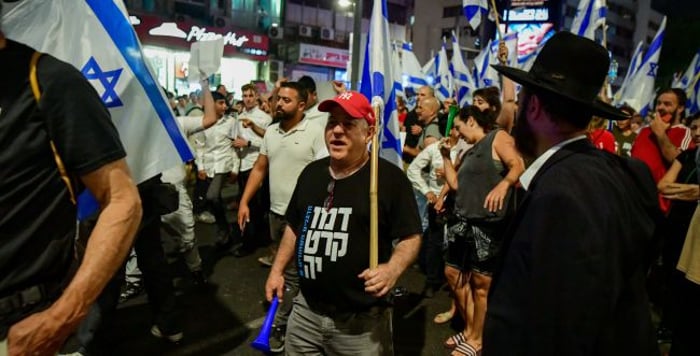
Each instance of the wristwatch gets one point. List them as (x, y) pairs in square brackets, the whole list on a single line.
[(249, 143)]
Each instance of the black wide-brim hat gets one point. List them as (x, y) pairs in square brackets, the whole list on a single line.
[(572, 68)]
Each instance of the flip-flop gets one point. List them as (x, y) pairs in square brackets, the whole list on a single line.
[(443, 317), (456, 339), (464, 349)]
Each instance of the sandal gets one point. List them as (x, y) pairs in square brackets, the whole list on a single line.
[(465, 349), (455, 340), (443, 317)]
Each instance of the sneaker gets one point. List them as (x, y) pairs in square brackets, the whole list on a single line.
[(205, 217), (266, 260), (277, 338), (131, 290), (176, 337)]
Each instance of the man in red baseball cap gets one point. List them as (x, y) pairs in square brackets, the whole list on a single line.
[(328, 238)]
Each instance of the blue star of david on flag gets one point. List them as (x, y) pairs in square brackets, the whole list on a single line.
[(92, 71), (652, 69)]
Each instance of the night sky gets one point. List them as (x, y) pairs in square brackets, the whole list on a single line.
[(682, 39)]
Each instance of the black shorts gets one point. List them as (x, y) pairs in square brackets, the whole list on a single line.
[(474, 246)]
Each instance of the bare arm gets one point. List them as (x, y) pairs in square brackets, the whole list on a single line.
[(380, 280), (670, 176), (110, 241), (668, 150), (504, 146), (254, 182), (209, 118), (448, 166), (411, 151), (275, 280), (506, 118)]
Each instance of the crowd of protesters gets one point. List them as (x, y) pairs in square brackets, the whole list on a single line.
[(551, 226)]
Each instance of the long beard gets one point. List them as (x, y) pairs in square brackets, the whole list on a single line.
[(523, 135)]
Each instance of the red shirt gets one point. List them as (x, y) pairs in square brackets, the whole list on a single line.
[(647, 149), (603, 139)]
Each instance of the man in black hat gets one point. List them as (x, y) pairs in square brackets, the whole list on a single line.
[(572, 282)]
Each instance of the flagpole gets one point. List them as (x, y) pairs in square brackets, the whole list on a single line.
[(498, 23), (373, 193)]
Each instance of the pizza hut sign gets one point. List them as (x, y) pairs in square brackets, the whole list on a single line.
[(201, 34)]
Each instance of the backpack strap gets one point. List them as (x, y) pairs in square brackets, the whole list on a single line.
[(34, 83)]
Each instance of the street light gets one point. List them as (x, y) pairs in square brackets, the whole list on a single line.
[(356, 38)]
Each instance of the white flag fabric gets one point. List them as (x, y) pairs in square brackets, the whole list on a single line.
[(396, 65), (485, 75), (590, 15), (95, 36), (413, 75), (378, 80), (430, 70), (635, 63), (474, 11), (463, 81), (443, 80), (693, 70), (640, 90)]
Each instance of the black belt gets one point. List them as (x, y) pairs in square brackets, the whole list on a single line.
[(22, 300), (333, 311)]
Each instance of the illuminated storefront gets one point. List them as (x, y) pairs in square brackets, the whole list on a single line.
[(166, 45)]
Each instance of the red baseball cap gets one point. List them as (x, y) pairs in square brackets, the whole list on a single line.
[(354, 103)]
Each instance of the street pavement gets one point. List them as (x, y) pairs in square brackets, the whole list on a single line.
[(224, 317)]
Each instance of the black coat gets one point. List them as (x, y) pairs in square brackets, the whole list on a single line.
[(575, 260)]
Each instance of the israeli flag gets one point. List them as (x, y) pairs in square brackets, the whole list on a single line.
[(463, 81), (590, 15), (443, 80), (640, 90), (689, 74), (378, 80), (413, 75), (96, 37), (635, 63), (474, 10), (485, 75), (693, 91), (396, 64), (430, 70)]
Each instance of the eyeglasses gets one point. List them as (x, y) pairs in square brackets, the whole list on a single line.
[(328, 203)]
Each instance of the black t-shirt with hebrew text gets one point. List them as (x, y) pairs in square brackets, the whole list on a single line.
[(37, 219), (333, 244)]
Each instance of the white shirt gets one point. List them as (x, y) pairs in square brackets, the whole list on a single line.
[(189, 125), (320, 118), (248, 155), (217, 155), (529, 174), (288, 153), (431, 157)]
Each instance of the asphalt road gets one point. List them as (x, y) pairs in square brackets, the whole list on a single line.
[(224, 317)]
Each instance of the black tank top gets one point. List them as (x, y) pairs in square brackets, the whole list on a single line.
[(478, 174)]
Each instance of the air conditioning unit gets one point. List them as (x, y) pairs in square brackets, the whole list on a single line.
[(276, 70), (305, 31), (182, 18), (276, 32), (221, 21), (327, 33)]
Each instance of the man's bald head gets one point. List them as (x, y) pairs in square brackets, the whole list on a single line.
[(425, 92)]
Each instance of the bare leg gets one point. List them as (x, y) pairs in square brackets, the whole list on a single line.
[(462, 294), (480, 289)]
